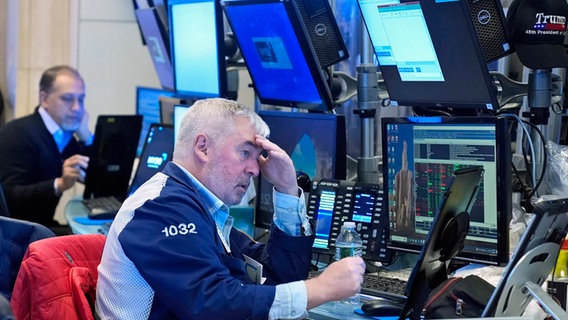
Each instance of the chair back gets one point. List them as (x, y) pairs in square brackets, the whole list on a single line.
[(15, 237), (58, 278), (3, 205)]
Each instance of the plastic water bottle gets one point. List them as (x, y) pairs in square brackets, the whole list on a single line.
[(559, 282), (561, 269), (348, 244)]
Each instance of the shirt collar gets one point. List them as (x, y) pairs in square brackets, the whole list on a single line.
[(50, 124), (216, 208)]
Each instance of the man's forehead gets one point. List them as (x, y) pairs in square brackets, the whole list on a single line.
[(251, 144)]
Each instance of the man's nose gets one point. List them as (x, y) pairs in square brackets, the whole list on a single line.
[(252, 168), (77, 104)]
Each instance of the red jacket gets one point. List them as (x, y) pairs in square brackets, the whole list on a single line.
[(58, 278)]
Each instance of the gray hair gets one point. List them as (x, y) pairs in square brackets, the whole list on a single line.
[(215, 118)]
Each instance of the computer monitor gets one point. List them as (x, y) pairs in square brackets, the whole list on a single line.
[(157, 41), (429, 54), (148, 106), (198, 50), (179, 112), (158, 150), (279, 56), (162, 10), (316, 144), (112, 156), (167, 105), (419, 153)]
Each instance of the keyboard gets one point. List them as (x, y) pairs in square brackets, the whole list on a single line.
[(384, 286), (387, 287), (102, 207)]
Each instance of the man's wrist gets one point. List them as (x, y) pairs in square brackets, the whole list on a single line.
[(86, 139), (292, 191)]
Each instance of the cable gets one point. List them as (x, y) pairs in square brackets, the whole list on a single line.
[(430, 112), (529, 141), (544, 160)]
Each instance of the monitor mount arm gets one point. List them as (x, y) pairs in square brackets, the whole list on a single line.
[(542, 90), (367, 87)]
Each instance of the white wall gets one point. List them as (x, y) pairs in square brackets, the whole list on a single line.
[(109, 53), (111, 56)]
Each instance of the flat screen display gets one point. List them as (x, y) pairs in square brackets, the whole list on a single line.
[(429, 54), (421, 154), (197, 43), (148, 106), (316, 144), (158, 45), (279, 56), (158, 150), (179, 112)]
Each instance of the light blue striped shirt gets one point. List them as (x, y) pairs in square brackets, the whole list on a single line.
[(291, 299)]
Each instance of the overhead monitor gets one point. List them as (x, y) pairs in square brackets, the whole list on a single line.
[(316, 144), (162, 10), (429, 54), (279, 56), (198, 50), (158, 44), (148, 106), (421, 153)]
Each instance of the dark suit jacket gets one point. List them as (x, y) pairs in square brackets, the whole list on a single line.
[(30, 163)]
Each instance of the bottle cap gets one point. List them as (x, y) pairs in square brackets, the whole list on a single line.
[(349, 224), (564, 244)]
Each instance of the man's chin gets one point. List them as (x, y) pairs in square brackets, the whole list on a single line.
[(70, 127), (236, 199)]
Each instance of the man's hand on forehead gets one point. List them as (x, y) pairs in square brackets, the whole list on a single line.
[(277, 167)]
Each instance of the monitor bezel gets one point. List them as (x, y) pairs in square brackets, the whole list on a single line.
[(309, 54), (503, 183), (220, 44)]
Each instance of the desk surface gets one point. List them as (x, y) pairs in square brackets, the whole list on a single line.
[(340, 311), (336, 310), (76, 216)]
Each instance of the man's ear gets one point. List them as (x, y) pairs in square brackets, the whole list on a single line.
[(42, 97), (201, 146)]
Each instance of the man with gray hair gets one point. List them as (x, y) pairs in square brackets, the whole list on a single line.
[(172, 253)]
